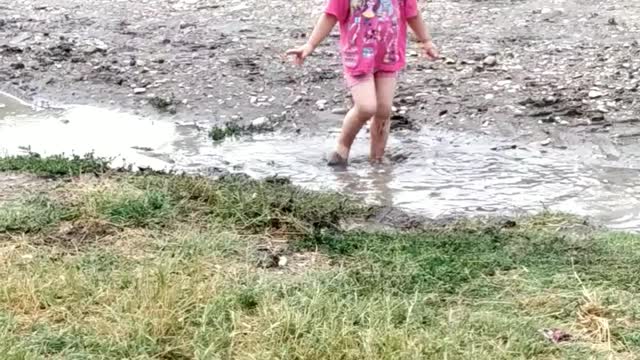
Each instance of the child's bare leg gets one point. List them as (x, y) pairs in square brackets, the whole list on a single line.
[(364, 107), (381, 123)]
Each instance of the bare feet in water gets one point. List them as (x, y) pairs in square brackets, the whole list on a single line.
[(337, 160)]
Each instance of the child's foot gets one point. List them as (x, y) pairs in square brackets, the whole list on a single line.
[(375, 162), (337, 160)]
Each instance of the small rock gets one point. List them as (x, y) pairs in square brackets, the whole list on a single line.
[(490, 61), (612, 21), (95, 46), (594, 94), (139, 90), (260, 121), (339, 111), (282, 261), (546, 142), (18, 66), (321, 104), (504, 147), (556, 336), (186, 25)]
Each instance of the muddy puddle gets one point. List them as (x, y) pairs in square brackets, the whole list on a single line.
[(433, 172)]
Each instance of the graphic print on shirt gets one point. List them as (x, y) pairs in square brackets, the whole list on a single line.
[(372, 33), (369, 13), (391, 53), (386, 9)]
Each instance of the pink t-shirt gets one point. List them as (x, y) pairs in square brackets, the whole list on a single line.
[(373, 33)]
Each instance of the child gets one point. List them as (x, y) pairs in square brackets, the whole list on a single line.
[(373, 45)]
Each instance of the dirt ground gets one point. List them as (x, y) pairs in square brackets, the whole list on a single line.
[(557, 72)]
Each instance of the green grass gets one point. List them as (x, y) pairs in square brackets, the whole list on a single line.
[(131, 208), (230, 129), (253, 206), (196, 295), (219, 133), (54, 166), (449, 261), (175, 278), (31, 215)]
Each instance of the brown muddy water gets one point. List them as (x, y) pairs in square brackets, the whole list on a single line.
[(433, 172)]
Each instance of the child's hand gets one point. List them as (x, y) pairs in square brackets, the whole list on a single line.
[(300, 53), (429, 50)]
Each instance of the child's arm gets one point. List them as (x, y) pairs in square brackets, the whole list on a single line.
[(320, 32), (416, 23)]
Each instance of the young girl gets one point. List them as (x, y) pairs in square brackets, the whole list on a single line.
[(373, 38)]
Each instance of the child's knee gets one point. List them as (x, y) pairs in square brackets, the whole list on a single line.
[(383, 111), (367, 110)]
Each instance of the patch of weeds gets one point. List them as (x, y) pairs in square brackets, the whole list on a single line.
[(448, 261), (72, 343), (45, 341), (257, 206), (54, 166), (32, 215), (230, 129), (80, 233), (189, 243), (164, 104), (132, 208)]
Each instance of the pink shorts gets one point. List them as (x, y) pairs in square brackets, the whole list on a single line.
[(355, 80)]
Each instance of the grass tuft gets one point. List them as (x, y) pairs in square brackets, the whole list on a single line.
[(54, 166), (132, 208), (32, 215), (230, 129), (257, 206)]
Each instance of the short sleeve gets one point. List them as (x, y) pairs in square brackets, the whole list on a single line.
[(410, 8), (338, 8)]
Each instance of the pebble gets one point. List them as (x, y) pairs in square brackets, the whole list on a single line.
[(339, 111), (321, 104), (260, 121), (546, 142), (594, 94), (282, 261), (139, 90), (490, 61)]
